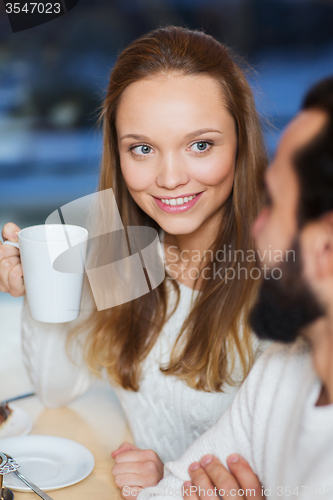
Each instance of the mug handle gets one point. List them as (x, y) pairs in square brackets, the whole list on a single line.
[(11, 243)]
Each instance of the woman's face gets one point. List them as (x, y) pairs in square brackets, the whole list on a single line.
[(177, 145)]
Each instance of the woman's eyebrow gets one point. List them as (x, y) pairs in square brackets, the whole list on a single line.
[(135, 136), (196, 133), (201, 132)]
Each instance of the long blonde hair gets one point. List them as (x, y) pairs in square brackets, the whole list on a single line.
[(211, 337)]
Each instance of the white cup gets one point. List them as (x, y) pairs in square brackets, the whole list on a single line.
[(53, 296)]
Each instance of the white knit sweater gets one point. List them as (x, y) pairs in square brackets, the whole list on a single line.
[(274, 424), (165, 415)]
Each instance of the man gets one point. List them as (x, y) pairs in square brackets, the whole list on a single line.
[(276, 439)]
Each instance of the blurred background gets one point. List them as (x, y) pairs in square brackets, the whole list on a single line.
[(53, 78)]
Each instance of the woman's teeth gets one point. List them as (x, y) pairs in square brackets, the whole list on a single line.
[(178, 201)]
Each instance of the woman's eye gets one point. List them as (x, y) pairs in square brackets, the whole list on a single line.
[(142, 150), (201, 146)]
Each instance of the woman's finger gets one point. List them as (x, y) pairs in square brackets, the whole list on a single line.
[(140, 468), (128, 479), (8, 251), (124, 447), (10, 231), (15, 280), (136, 455), (11, 280), (6, 265), (143, 473)]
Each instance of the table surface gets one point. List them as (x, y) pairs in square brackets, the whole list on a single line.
[(95, 419)]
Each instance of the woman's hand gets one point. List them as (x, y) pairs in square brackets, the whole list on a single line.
[(11, 275), (135, 469)]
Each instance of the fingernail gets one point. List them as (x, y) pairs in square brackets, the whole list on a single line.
[(206, 459), (233, 458), (194, 466), (187, 483)]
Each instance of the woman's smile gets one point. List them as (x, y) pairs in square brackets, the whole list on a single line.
[(179, 204)]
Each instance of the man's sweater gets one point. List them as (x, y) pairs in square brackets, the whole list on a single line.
[(274, 424)]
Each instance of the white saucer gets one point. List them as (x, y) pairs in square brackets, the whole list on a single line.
[(18, 423), (48, 461)]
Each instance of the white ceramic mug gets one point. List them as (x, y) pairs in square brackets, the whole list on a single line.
[(53, 296)]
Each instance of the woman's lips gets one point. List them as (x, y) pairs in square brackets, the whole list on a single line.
[(176, 209)]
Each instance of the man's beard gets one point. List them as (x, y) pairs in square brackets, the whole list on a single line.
[(285, 305)]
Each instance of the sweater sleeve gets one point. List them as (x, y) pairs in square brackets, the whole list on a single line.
[(56, 377), (231, 434)]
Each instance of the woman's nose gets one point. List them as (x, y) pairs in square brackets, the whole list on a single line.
[(172, 172)]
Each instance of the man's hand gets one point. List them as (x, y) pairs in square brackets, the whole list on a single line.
[(210, 479), (135, 469)]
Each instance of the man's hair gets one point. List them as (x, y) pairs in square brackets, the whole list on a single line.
[(314, 162)]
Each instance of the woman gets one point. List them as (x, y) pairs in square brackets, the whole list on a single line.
[(183, 154)]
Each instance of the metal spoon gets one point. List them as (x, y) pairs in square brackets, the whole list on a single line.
[(5, 468), (31, 485)]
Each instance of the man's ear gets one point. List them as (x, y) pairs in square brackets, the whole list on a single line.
[(322, 247)]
